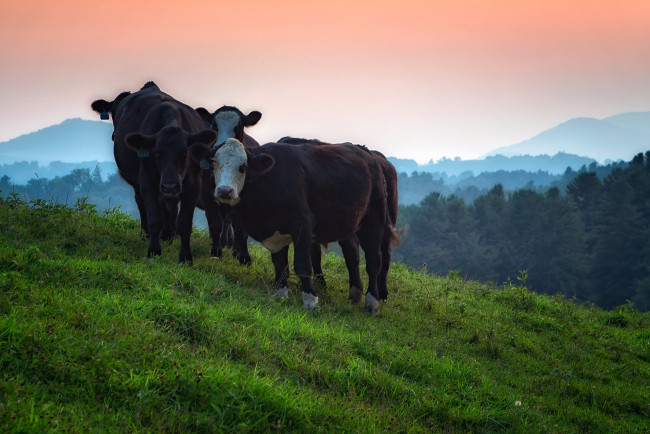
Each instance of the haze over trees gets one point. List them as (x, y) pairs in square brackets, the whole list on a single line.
[(591, 244), (584, 235), (563, 223)]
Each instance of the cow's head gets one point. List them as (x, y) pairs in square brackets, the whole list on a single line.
[(104, 107), (168, 150), (229, 122), (232, 165)]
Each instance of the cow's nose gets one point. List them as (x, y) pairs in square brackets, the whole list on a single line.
[(170, 188), (224, 192)]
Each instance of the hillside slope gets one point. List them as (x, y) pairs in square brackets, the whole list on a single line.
[(93, 336)]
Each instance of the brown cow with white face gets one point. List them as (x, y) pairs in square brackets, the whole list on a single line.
[(304, 194)]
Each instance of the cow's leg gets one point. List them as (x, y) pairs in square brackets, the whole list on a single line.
[(226, 227), (144, 223), (316, 256), (241, 241), (382, 280), (226, 237), (170, 213), (370, 241), (184, 224), (281, 264), (303, 265), (155, 215), (350, 249), (212, 211), (215, 223), (215, 226)]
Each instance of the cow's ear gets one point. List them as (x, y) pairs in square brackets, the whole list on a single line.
[(101, 106), (201, 155), (206, 137), (252, 118), (260, 164), (205, 115), (200, 151), (140, 142)]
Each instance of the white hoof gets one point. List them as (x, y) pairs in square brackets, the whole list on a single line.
[(281, 292), (372, 305), (355, 294), (309, 301)]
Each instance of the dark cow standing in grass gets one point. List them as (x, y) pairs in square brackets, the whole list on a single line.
[(350, 246), (228, 122), (305, 194), (152, 135)]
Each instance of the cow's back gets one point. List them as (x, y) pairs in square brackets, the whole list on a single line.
[(330, 183)]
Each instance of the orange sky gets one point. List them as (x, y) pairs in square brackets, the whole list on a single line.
[(417, 79)]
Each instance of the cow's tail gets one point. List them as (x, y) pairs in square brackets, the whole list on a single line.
[(395, 235)]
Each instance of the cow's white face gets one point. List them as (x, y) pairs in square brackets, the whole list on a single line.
[(230, 165), (227, 122)]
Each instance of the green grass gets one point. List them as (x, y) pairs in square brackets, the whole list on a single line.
[(95, 337)]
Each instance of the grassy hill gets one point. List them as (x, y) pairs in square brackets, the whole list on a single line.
[(94, 337)]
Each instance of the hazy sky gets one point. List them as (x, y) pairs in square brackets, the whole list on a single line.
[(414, 79)]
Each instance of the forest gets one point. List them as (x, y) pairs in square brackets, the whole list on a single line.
[(589, 242), (583, 234)]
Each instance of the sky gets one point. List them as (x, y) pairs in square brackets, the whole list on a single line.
[(420, 79)]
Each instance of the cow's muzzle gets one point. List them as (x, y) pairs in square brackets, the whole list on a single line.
[(225, 192), (170, 190)]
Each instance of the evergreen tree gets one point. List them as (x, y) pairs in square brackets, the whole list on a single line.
[(618, 254), (487, 211)]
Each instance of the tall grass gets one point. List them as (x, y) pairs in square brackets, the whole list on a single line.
[(95, 337)]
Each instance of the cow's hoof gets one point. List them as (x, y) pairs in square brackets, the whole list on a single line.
[(355, 295), (372, 305), (309, 301), (281, 292), (216, 253)]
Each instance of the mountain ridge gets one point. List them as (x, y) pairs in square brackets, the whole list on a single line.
[(616, 137), (92, 139)]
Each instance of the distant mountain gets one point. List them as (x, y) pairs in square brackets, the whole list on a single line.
[(72, 141), (557, 164), (618, 137)]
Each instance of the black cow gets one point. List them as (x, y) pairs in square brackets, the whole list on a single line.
[(152, 135), (305, 194), (350, 246), (228, 122)]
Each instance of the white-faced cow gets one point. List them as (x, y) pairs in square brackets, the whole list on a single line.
[(228, 122), (350, 246), (304, 194), (152, 135)]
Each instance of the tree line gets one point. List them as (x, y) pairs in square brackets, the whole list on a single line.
[(589, 242), (586, 236), (80, 184)]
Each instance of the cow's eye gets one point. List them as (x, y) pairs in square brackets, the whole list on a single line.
[(243, 167)]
